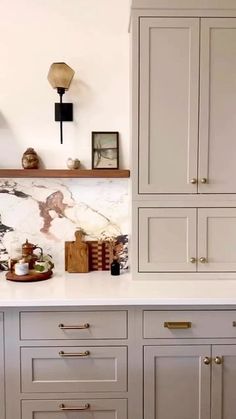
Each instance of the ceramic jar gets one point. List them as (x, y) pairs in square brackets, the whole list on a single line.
[(30, 159)]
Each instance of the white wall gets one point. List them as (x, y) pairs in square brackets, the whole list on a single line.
[(89, 35)]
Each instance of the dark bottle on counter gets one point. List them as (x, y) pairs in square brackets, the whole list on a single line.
[(115, 266)]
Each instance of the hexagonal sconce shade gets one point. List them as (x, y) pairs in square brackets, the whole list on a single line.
[(60, 75)]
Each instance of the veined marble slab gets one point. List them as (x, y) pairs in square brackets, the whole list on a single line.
[(47, 212)]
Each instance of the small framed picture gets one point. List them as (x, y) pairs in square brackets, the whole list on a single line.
[(105, 150)]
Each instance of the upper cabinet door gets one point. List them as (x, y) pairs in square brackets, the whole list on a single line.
[(217, 140), (168, 105)]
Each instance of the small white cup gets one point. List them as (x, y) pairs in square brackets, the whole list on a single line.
[(42, 266), (21, 268)]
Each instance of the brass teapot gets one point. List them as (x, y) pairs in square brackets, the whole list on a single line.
[(28, 253)]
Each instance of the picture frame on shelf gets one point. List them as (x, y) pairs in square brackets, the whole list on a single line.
[(105, 150)]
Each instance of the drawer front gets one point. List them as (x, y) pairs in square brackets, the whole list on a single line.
[(93, 408), (189, 324), (73, 325), (74, 369)]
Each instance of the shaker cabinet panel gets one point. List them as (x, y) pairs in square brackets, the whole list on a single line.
[(84, 324), (176, 382), (74, 369), (217, 146), (217, 239), (167, 239), (74, 409), (223, 381), (168, 120)]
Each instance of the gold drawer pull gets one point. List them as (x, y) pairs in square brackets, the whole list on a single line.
[(85, 407), (82, 326), (178, 325), (72, 354)]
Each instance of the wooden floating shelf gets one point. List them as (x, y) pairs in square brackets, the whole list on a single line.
[(61, 173)]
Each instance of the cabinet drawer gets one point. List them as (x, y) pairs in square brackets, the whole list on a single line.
[(189, 324), (73, 325), (94, 408), (73, 369)]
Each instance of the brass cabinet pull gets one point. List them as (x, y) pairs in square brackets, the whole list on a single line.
[(85, 407), (203, 180), (218, 360), (193, 181), (193, 260), (178, 325), (82, 326), (73, 354), (207, 360), (203, 260)]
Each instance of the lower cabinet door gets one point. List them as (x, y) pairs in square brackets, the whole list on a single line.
[(223, 381), (74, 409), (167, 239), (73, 369), (177, 382)]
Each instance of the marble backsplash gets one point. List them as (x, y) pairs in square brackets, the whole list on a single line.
[(47, 212)]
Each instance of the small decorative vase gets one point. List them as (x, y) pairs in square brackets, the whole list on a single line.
[(73, 163), (30, 159)]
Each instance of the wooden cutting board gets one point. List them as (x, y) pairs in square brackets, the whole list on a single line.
[(76, 255)]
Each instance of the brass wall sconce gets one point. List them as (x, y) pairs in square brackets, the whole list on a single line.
[(60, 76)]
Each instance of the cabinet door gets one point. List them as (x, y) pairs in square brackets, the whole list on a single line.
[(223, 382), (176, 382), (217, 239), (2, 399), (217, 151), (167, 239), (168, 130)]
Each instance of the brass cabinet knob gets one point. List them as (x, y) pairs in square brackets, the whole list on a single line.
[(203, 180), (207, 360), (193, 260), (218, 360), (203, 260), (193, 180)]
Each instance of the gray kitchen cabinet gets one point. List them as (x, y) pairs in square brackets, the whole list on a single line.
[(186, 239), (183, 131), (187, 377), (168, 120), (2, 378), (177, 363), (197, 382), (167, 239), (176, 382), (187, 72), (223, 381)]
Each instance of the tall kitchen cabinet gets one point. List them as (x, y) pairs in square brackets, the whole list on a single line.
[(184, 131)]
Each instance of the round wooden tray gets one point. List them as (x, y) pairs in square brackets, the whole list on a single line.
[(30, 277)]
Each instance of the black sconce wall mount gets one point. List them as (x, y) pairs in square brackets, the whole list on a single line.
[(60, 76)]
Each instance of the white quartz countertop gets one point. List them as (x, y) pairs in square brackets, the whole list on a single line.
[(100, 288)]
